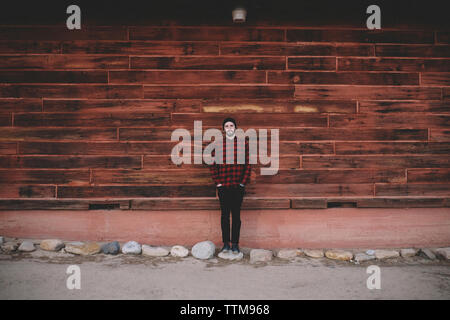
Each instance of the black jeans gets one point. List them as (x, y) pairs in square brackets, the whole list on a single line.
[(231, 200)]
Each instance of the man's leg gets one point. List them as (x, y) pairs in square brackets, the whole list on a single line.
[(225, 216), (238, 196)]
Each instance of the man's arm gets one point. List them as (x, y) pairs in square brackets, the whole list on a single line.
[(247, 165), (214, 172)]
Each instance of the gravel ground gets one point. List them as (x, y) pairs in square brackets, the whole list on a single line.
[(42, 275)]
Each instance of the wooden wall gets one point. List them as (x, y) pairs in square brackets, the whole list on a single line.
[(86, 116)]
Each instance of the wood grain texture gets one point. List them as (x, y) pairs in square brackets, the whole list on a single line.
[(86, 116)]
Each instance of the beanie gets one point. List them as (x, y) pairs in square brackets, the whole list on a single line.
[(227, 120)]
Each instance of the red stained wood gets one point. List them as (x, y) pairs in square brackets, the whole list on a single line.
[(217, 92), (415, 51), (413, 189), (203, 34), (392, 148), (376, 161), (116, 119), (208, 63), (63, 133), (8, 147), (108, 105), (402, 108), (311, 63), (393, 64), (70, 162), (429, 175), (364, 36), (318, 176), (61, 32), (45, 176), (293, 49), (8, 190), (181, 77), (140, 47), (92, 91), (367, 92), (86, 118), (411, 120), (354, 78)]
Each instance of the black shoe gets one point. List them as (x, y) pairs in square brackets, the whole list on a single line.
[(225, 248), (235, 248)]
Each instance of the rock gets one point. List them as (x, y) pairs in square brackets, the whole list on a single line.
[(231, 256), (408, 252), (427, 253), (313, 253), (111, 248), (51, 245), (386, 254), (132, 247), (179, 251), (370, 252), (260, 255), (443, 252), (203, 250), (154, 251), (361, 257), (288, 253), (9, 247), (27, 246), (2, 240), (83, 249), (339, 255)]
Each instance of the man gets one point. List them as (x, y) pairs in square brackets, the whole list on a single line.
[(230, 180)]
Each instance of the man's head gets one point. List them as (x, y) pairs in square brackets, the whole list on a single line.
[(229, 126)]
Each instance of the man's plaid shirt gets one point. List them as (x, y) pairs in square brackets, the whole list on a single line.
[(234, 173)]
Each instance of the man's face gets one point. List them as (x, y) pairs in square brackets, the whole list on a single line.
[(229, 128)]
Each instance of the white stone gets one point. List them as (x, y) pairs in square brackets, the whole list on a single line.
[(361, 257), (51, 244), (231, 256), (154, 251), (82, 248), (2, 240), (260, 255), (179, 251), (408, 252), (9, 247), (27, 246), (370, 252), (203, 250), (339, 255), (313, 253), (131, 247), (386, 254), (428, 253), (288, 253), (443, 252)]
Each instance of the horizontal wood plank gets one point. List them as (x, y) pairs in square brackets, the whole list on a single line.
[(63, 133), (375, 161), (367, 92), (353, 78), (45, 176), (392, 148), (70, 162), (92, 91), (429, 175), (208, 63)]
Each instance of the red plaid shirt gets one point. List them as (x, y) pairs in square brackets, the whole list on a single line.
[(234, 173)]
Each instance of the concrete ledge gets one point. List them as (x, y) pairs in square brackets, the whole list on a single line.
[(305, 228)]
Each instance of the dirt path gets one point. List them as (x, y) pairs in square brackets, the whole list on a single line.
[(42, 275)]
